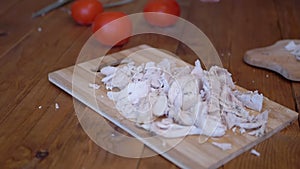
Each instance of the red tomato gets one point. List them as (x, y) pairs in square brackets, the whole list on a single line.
[(112, 28), (166, 12), (85, 11)]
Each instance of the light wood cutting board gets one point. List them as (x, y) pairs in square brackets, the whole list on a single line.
[(188, 153), (276, 58)]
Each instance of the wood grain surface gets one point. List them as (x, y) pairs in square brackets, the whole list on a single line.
[(45, 137)]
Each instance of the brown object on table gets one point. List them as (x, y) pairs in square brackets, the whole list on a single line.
[(276, 58), (28, 55), (184, 153)]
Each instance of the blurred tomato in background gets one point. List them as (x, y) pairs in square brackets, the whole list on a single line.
[(162, 13), (112, 28), (85, 11)]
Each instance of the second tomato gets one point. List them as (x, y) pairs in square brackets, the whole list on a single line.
[(162, 13), (112, 28)]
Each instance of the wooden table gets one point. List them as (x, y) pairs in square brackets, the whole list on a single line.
[(34, 134)]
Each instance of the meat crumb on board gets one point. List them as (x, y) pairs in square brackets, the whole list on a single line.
[(174, 101), (223, 146), (94, 86)]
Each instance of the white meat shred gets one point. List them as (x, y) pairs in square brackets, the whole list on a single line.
[(223, 146), (254, 152), (293, 49)]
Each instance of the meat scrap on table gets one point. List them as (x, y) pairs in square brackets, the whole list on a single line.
[(174, 101), (293, 49)]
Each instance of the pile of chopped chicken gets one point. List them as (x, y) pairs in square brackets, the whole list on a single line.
[(176, 101)]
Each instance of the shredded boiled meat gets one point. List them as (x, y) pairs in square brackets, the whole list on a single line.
[(174, 101)]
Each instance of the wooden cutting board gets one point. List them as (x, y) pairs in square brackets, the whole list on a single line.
[(276, 58), (188, 153)]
